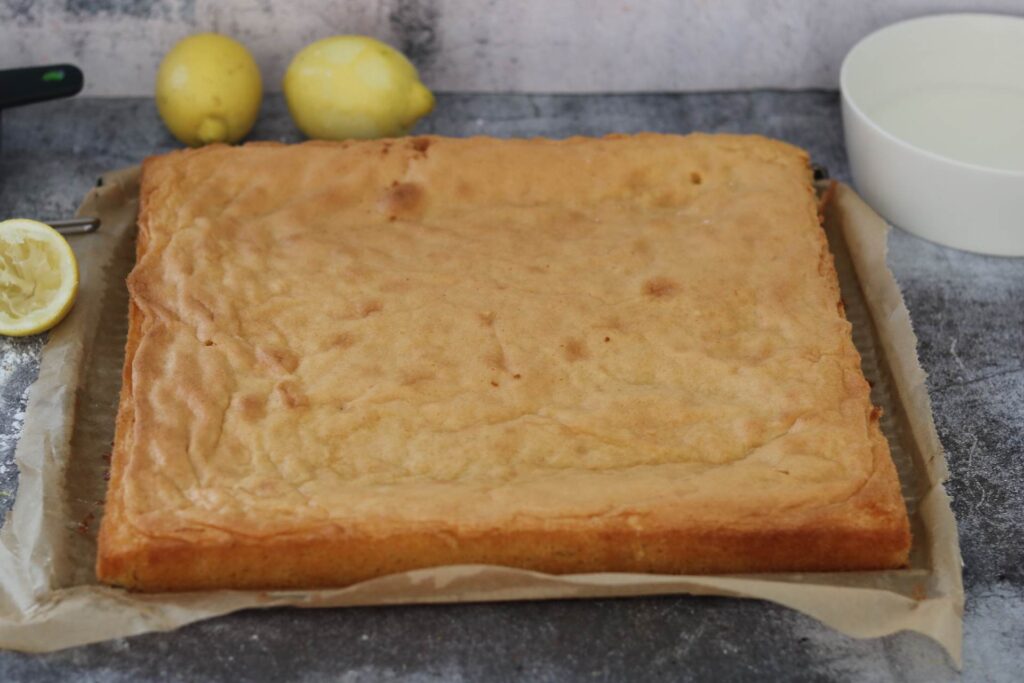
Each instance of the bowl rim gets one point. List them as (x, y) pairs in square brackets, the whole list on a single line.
[(864, 43)]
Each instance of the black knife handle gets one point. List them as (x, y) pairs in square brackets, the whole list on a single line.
[(38, 83)]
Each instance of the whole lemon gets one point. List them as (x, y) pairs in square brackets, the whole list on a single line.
[(354, 87), (208, 89)]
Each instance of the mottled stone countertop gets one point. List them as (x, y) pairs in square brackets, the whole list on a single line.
[(968, 311)]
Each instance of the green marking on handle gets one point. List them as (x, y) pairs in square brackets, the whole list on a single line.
[(53, 75)]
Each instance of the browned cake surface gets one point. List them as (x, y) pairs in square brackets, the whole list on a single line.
[(619, 354)]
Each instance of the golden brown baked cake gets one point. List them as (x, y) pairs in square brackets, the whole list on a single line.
[(618, 354)]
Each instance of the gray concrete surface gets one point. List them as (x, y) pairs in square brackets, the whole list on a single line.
[(968, 314), (576, 46)]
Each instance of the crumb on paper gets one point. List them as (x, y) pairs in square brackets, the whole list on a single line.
[(83, 526)]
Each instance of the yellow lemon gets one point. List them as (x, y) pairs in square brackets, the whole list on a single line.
[(208, 89), (354, 87), (38, 277)]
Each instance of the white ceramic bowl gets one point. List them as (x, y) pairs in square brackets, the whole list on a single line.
[(933, 111)]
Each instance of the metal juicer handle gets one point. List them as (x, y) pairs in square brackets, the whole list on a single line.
[(76, 226)]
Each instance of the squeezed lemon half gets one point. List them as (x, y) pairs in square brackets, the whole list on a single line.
[(38, 277)]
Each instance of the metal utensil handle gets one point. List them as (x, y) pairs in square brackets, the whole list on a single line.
[(76, 226)]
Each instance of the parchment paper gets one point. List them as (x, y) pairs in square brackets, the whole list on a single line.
[(49, 598)]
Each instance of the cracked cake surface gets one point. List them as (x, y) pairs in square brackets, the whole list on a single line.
[(616, 354)]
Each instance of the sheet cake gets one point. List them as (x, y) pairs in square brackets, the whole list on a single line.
[(618, 354)]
